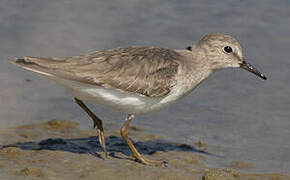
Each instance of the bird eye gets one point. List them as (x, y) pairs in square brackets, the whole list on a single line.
[(228, 49)]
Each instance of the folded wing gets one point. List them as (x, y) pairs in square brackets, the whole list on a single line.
[(147, 71)]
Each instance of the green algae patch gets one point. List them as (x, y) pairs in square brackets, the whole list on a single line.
[(61, 125), (241, 164)]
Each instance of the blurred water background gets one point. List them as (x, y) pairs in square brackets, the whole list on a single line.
[(240, 116)]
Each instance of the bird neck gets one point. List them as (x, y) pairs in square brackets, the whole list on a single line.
[(194, 68)]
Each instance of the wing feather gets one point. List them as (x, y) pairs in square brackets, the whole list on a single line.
[(148, 71)]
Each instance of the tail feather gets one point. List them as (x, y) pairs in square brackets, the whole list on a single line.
[(32, 65)]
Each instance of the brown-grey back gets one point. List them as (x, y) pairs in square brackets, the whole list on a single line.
[(148, 71)]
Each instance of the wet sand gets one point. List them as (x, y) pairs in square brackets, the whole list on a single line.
[(58, 149)]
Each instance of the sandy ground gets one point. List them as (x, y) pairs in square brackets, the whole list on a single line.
[(58, 149)]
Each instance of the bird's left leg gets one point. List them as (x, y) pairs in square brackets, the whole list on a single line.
[(97, 122)]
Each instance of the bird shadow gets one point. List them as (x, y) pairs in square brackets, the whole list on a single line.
[(114, 144)]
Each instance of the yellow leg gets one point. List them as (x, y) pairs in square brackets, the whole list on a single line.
[(97, 122), (136, 154)]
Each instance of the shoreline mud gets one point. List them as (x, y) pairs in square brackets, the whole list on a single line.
[(58, 149)]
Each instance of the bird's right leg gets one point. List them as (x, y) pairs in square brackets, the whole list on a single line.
[(97, 122), (136, 154)]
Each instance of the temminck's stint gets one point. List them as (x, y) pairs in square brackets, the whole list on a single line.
[(137, 80)]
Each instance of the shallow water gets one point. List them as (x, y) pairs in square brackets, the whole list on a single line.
[(239, 116)]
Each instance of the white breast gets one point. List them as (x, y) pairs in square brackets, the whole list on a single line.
[(128, 103)]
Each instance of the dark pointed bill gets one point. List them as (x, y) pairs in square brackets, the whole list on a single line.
[(251, 69)]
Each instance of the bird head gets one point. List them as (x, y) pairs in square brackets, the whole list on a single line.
[(224, 51)]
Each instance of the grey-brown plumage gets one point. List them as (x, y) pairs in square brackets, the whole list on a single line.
[(138, 80), (148, 71)]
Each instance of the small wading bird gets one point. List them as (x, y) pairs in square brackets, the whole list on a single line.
[(138, 80)]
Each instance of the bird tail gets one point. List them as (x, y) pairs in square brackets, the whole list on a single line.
[(39, 65)]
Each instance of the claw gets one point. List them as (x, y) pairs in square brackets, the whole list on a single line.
[(164, 164), (151, 162), (102, 141)]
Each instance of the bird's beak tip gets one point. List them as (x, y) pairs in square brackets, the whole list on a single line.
[(264, 77), (251, 69)]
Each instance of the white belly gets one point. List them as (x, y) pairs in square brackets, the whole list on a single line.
[(127, 103)]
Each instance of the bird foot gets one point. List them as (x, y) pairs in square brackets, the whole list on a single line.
[(151, 162)]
